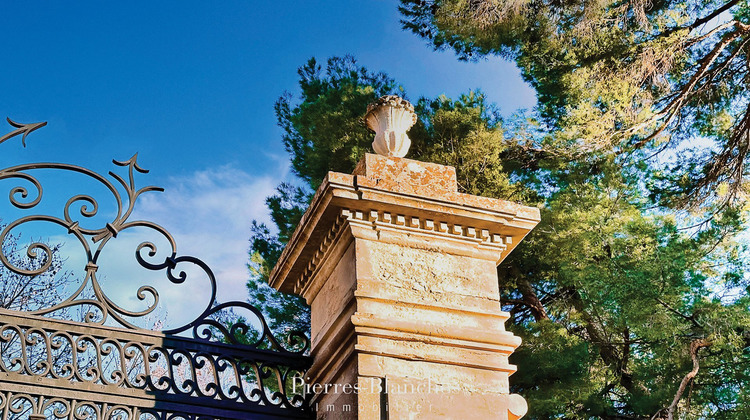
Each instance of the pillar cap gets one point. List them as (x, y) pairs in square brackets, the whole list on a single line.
[(398, 191)]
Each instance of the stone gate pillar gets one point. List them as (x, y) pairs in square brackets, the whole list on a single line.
[(399, 269)]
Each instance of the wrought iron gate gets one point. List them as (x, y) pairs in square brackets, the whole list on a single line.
[(84, 357)]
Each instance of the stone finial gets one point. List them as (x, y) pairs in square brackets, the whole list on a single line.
[(390, 117)]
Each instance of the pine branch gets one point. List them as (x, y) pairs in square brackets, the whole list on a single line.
[(695, 346), (671, 109), (711, 16)]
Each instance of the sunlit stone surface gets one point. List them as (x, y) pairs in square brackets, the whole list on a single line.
[(399, 269)]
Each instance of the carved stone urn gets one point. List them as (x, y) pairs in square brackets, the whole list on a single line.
[(390, 117)]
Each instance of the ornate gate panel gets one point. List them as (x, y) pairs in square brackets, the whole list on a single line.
[(84, 356)]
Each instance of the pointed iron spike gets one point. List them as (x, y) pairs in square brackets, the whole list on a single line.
[(122, 162), (13, 123), (151, 188), (136, 166), (21, 128)]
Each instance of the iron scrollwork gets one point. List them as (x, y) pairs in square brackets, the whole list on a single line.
[(226, 359), (17, 405)]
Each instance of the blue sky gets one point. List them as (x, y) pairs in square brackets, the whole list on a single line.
[(190, 86)]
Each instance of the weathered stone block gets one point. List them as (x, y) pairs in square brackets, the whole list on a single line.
[(399, 270)]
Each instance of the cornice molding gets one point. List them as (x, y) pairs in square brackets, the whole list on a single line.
[(377, 222)]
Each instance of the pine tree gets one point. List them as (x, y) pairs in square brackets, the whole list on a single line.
[(619, 76), (618, 298)]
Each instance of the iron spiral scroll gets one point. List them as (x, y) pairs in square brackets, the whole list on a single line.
[(249, 368)]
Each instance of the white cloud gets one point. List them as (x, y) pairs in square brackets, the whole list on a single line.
[(209, 213)]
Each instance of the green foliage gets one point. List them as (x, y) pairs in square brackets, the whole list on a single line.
[(285, 313), (560, 378), (614, 76), (468, 135), (619, 265), (625, 292), (610, 292)]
